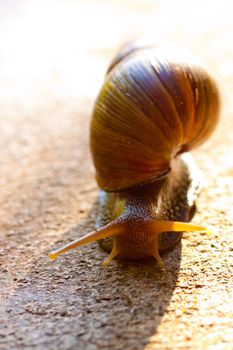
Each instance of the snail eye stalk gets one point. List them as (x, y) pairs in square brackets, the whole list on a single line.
[(113, 229), (163, 226)]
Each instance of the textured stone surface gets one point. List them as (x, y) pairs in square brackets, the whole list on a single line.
[(52, 60)]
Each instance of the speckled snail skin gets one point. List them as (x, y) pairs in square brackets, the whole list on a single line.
[(154, 106)]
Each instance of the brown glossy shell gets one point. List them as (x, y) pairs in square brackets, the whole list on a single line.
[(153, 105)]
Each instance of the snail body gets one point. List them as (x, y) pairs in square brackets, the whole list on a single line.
[(154, 106), (169, 199)]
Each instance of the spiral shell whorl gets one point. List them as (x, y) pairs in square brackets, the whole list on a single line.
[(152, 106)]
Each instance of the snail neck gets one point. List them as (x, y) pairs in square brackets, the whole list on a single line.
[(144, 202)]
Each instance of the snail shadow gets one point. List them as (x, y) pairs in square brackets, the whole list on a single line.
[(75, 303), (139, 294)]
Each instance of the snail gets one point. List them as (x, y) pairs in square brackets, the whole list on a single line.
[(153, 108)]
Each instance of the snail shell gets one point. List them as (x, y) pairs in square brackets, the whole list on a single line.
[(153, 105)]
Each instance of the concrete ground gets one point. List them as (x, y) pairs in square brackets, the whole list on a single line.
[(53, 55)]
